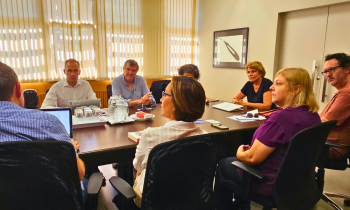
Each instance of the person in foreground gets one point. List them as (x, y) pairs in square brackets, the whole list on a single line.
[(19, 124), (132, 87), (183, 103), (292, 90), (71, 88), (257, 89), (337, 72), (189, 70)]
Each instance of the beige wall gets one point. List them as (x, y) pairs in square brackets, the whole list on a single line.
[(261, 16)]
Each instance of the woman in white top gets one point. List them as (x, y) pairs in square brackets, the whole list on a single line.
[(183, 102)]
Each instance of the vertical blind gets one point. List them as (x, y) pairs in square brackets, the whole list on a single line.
[(70, 32), (37, 36), (22, 38)]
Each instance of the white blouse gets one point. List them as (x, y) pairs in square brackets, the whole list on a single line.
[(152, 136)]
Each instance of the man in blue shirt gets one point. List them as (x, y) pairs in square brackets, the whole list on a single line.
[(19, 124), (132, 87)]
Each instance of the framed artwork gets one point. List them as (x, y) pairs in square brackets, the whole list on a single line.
[(230, 48)]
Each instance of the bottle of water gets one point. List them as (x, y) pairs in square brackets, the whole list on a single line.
[(111, 107), (126, 109)]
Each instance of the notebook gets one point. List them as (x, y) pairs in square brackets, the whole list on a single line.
[(65, 116), (226, 106)]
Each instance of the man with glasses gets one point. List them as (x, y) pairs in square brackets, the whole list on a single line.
[(337, 73), (71, 88), (132, 87)]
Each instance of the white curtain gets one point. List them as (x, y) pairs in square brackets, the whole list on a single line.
[(22, 38), (37, 36), (120, 35), (69, 29)]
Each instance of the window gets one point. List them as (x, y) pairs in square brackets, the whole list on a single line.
[(37, 36)]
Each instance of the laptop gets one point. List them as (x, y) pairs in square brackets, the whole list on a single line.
[(88, 102), (65, 116)]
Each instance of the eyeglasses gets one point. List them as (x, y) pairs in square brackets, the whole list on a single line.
[(330, 70), (250, 115), (165, 94)]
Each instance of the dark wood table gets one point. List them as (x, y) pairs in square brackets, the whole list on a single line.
[(110, 143)]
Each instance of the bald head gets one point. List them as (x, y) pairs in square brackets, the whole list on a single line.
[(8, 80)]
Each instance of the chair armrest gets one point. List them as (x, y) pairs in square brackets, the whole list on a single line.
[(95, 183), (333, 144), (249, 169), (122, 187)]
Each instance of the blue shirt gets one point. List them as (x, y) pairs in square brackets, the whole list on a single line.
[(19, 124), (139, 89)]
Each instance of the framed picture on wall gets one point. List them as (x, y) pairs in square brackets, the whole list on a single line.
[(230, 48)]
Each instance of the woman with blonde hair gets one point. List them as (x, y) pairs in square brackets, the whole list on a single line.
[(292, 90), (257, 89), (183, 103)]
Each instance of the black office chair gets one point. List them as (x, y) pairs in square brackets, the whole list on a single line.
[(30, 99), (157, 88), (325, 163), (47, 91), (43, 175), (109, 91), (295, 184), (179, 174)]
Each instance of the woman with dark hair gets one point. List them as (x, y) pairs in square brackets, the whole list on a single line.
[(183, 102)]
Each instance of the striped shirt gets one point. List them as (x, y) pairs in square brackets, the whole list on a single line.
[(19, 124), (153, 136)]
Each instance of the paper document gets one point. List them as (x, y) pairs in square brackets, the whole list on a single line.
[(226, 106), (245, 119)]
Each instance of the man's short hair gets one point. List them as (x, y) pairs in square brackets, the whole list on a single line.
[(190, 69), (71, 60), (131, 62), (8, 79), (342, 58)]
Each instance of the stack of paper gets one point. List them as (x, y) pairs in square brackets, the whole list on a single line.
[(226, 106), (245, 119)]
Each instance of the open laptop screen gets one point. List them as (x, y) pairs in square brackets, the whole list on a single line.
[(65, 116)]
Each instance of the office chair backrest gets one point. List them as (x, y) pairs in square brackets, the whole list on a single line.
[(109, 91), (39, 175), (295, 184), (180, 173), (30, 99), (157, 88)]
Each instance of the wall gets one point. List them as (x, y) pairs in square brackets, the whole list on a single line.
[(261, 16)]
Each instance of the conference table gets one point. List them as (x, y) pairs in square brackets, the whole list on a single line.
[(110, 143)]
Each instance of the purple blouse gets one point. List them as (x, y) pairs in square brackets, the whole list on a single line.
[(276, 132)]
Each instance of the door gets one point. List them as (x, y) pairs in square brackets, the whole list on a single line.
[(309, 35), (337, 40)]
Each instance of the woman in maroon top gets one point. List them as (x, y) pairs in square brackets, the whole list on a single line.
[(292, 90)]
